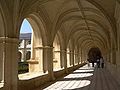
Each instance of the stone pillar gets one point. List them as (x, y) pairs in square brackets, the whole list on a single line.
[(49, 56), (24, 51), (71, 58), (81, 56), (70, 53), (61, 59), (45, 60), (36, 63), (64, 60), (68, 59), (10, 63), (56, 61), (1, 61), (76, 58), (32, 46)]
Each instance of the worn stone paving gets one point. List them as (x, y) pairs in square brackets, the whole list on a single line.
[(85, 78)]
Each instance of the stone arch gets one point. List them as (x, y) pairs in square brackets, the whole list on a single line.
[(100, 33), (84, 51), (59, 44), (62, 38), (62, 19), (66, 16), (77, 26), (94, 53), (39, 28), (85, 42), (112, 22), (4, 17), (93, 34), (93, 40), (39, 41), (89, 43), (79, 18)]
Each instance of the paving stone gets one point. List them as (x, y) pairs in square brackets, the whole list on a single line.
[(85, 78)]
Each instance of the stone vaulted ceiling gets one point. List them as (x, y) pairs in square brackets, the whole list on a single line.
[(87, 22)]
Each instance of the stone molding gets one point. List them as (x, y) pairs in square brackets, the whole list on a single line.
[(9, 40)]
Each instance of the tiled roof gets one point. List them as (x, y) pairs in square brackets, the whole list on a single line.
[(25, 36)]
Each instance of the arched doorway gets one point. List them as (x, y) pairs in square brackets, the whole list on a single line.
[(24, 46), (34, 48), (94, 53)]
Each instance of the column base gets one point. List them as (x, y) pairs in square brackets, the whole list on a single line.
[(34, 66)]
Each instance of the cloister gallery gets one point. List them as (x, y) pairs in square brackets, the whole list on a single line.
[(64, 32)]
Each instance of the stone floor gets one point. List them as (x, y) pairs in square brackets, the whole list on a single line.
[(84, 78)]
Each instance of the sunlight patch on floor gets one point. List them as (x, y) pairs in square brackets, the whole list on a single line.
[(1, 85), (67, 85), (78, 85), (81, 75)]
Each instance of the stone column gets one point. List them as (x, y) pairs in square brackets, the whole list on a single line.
[(56, 61), (64, 60), (24, 51), (79, 57), (68, 59), (76, 58), (108, 57), (45, 60), (36, 63), (49, 56), (71, 58), (10, 63), (1, 61), (32, 46), (33, 62), (61, 58), (113, 56)]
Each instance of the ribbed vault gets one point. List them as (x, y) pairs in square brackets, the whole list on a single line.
[(86, 23)]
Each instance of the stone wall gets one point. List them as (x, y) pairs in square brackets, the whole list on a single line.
[(40, 80)]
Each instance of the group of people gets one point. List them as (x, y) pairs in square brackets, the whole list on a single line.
[(99, 62)]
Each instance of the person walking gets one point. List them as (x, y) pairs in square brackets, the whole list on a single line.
[(102, 62), (98, 62)]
